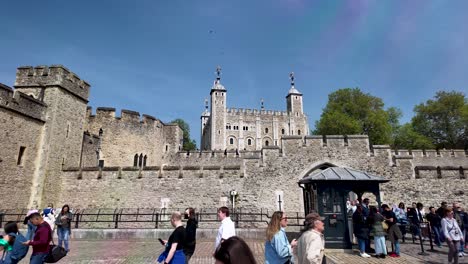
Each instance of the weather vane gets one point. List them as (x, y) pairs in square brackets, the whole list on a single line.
[(262, 106), (218, 72), (206, 103), (291, 76)]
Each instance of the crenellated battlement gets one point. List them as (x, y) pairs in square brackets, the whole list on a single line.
[(108, 115), (21, 103), (246, 111), (52, 76), (218, 155)]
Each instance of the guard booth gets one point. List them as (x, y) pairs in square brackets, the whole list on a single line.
[(326, 192)]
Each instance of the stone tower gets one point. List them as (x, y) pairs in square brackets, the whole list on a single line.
[(60, 142), (218, 113), (294, 99), (205, 128)]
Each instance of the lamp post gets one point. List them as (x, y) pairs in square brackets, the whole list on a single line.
[(233, 197)]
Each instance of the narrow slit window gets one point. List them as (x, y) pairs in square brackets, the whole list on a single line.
[(20, 155), (140, 160), (135, 160)]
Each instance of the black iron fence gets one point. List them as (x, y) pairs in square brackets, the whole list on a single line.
[(155, 217)]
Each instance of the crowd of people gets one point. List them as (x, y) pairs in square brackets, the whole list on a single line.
[(449, 224), (40, 228)]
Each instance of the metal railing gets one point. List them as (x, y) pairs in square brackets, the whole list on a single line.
[(155, 217)]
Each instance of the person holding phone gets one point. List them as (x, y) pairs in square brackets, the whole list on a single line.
[(63, 221), (174, 247)]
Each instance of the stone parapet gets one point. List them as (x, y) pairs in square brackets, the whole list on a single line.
[(52, 76), (21, 103)]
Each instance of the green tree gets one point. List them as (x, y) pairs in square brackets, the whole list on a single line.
[(406, 138), (188, 143), (350, 111), (444, 119)]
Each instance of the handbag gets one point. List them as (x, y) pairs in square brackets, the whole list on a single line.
[(56, 252), (385, 226)]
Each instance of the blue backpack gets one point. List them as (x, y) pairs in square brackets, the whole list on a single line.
[(19, 250)]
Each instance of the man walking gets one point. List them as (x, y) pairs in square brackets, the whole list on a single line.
[(227, 229), (41, 240)]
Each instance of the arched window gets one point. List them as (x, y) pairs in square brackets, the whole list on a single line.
[(249, 142), (299, 132), (267, 143), (266, 130), (167, 147), (282, 131), (231, 141), (135, 160), (140, 161), (144, 161)]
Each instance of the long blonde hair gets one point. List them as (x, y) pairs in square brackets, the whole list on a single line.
[(274, 225)]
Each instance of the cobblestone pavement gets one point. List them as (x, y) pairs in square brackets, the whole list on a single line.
[(133, 252)]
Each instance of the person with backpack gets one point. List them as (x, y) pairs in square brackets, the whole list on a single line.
[(19, 250), (63, 223), (41, 240)]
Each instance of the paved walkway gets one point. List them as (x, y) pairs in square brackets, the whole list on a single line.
[(136, 252)]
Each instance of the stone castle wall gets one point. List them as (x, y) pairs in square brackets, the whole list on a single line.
[(203, 179), (47, 114), (145, 135), (263, 128), (21, 122)]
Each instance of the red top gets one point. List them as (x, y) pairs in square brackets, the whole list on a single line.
[(42, 238)]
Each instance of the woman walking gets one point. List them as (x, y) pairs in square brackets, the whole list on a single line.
[(375, 220), (63, 223), (277, 247), (361, 231), (190, 233), (453, 235)]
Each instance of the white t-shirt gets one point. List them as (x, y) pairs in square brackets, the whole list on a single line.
[(225, 231)]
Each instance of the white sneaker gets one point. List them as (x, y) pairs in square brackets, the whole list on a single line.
[(364, 255), (461, 254)]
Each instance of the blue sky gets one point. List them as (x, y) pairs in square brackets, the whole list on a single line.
[(158, 57)]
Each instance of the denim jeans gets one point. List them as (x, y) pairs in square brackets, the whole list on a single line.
[(362, 245), (462, 244), (397, 247), (63, 236), (38, 258), (380, 247), (437, 239)]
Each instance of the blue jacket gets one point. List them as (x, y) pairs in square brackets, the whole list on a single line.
[(278, 250)]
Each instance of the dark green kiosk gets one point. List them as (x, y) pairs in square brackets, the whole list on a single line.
[(326, 192)]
